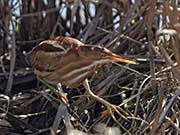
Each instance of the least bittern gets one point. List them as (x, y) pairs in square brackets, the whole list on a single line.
[(68, 61)]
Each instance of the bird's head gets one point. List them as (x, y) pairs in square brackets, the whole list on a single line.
[(101, 54)]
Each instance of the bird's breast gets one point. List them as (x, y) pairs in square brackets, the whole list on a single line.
[(72, 70)]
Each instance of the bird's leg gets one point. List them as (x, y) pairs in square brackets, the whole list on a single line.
[(110, 107), (62, 111), (60, 94)]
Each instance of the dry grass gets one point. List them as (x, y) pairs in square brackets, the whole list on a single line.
[(146, 31)]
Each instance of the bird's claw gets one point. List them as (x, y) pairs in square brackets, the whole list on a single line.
[(114, 108), (64, 98)]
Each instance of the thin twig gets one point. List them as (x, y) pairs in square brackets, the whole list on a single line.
[(13, 59)]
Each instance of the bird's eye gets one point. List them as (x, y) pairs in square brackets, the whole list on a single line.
[(103, 55)]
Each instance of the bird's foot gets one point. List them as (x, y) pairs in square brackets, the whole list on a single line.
[(63, 97), (114, 108), (58, 92)]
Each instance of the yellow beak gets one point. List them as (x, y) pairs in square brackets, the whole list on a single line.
[(120, 59)]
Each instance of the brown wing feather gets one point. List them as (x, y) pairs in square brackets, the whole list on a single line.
[(45, 55)]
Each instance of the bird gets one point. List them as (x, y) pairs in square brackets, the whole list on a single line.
[(68, 61)]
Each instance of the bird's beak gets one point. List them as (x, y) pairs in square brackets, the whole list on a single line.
[(120, 59)]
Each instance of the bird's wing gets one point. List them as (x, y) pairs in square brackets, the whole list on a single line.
[(46, 55)]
